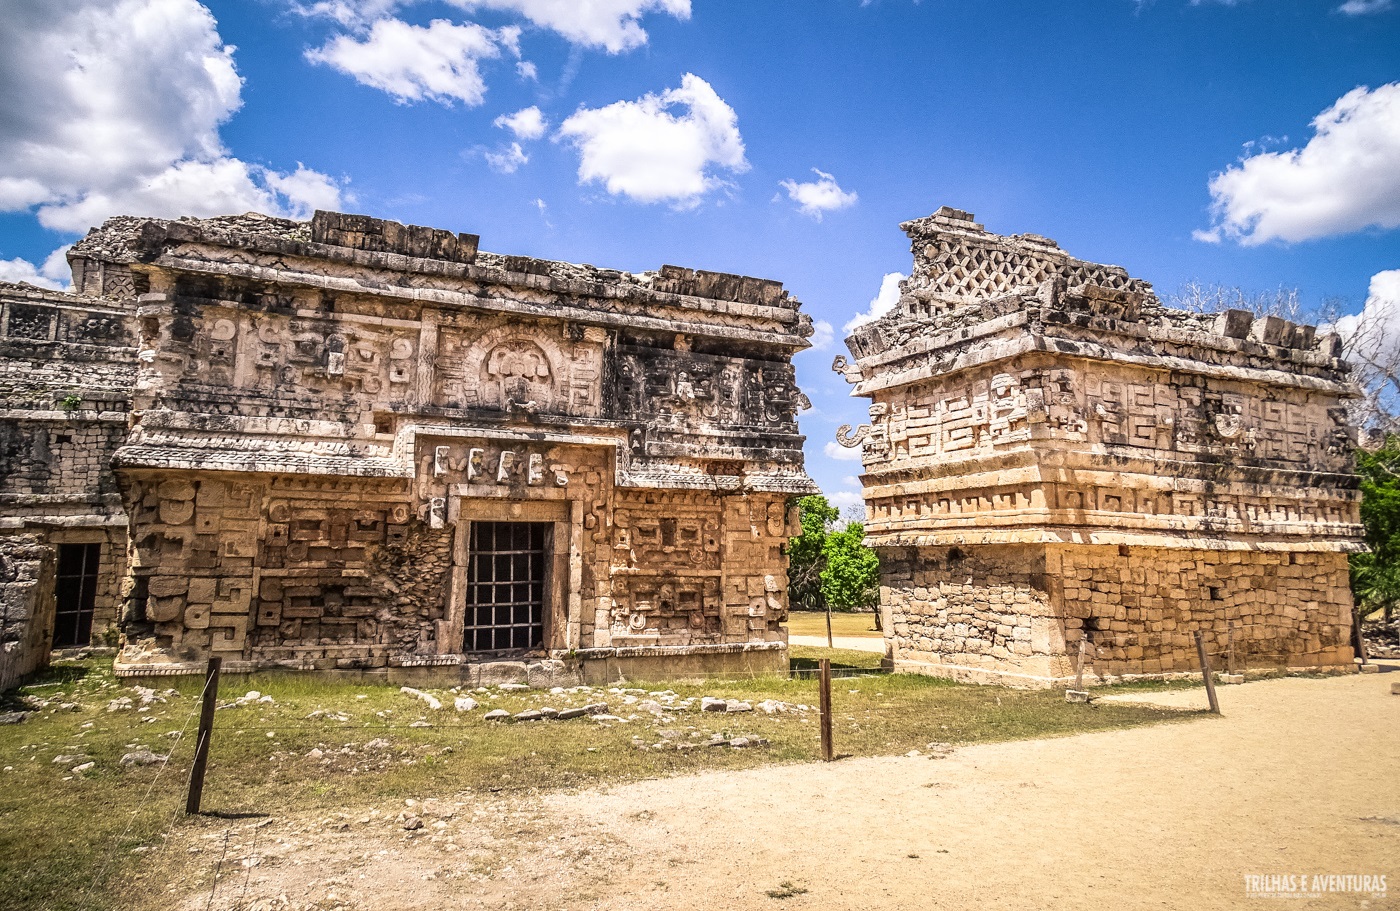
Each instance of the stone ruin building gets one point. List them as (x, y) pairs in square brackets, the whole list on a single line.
[(360, 446), (1052, 455)]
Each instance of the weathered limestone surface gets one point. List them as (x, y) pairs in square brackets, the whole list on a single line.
[(67, 364), (26, 607), (320, 412), (1054, 456)]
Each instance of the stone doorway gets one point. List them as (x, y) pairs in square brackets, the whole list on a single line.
[(507, 585), (75, 594)]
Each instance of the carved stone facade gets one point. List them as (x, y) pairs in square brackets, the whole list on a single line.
[(1054, 456), (337, 424), (67, 365)]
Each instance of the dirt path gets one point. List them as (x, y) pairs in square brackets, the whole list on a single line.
[(1299, 777)]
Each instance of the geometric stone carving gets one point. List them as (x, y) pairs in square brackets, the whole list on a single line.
[(1053, 456), (325, 411)]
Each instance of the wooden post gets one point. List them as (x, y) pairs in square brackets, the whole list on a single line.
[(1205, 673), (824, 679), (1079, 665), (1230, 650), (1358, 642), (206, 731), (828, 625)]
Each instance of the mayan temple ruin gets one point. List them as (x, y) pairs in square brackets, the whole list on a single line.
[(1053, 456), (353, 445)]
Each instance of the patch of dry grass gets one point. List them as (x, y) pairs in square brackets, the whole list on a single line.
[(72, 840)]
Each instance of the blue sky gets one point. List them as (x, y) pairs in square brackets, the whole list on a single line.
[(1179, 139)]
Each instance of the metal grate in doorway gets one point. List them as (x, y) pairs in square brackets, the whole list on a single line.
[(506, 578)]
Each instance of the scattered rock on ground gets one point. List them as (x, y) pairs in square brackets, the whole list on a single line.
[(428, 699), (437, 808), (142, 756)]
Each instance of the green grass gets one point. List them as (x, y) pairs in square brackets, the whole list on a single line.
[(813, 623), (70, 841), (805, 657)]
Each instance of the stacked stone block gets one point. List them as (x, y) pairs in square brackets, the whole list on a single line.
[(67, 365), (1053, 456), (26, 607), (323, 409)]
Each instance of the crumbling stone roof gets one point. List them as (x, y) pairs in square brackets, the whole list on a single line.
[(969, 286), (411, 248), (956, 258)]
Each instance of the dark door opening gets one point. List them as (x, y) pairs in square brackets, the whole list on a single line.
[(75, 592), (506, 583)]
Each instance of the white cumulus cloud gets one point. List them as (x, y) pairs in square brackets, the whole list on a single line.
[(815, 197), (659, 148), (1379, 320), (437, 62), (508, 159), (527, 123), (304, 191), (823, 334), (349, 13), (834, 450), (614, 25), (1345, 179), (97, 120), (53, 274), (882, 303), (221, 186), (1364, 7)]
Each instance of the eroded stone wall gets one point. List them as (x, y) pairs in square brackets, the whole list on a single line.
[(26, 607), (67, 365), (1029, 409), (324, 409), (1016, 613)]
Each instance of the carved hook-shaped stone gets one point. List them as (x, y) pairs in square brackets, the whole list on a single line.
[(848, 370), (851, 440)]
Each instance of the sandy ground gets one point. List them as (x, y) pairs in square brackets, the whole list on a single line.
[(1299, 776)]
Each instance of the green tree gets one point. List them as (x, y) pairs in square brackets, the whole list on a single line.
[(1375, 576), (828, 565), (851, 577), (805, 553)]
